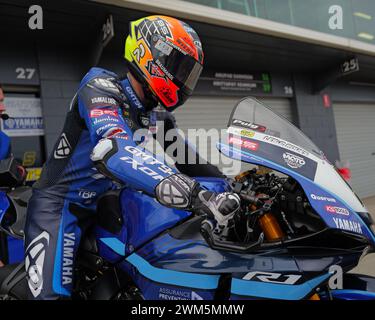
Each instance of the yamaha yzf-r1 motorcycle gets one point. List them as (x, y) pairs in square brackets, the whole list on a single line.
[(299, 220)]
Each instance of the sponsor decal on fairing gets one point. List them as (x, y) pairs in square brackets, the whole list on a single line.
[(322, 198), (272, 277), (293, 160), (337, 210), (348, 225), (244, 143), (249, 125)]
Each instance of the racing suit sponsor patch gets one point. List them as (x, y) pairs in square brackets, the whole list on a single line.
[(63, 149), (103, 101), (34, 262), (94, 113), (68, 254)]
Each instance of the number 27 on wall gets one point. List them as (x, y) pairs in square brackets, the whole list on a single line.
[(25, 73)]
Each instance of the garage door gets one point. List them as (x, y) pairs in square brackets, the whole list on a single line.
[(355, 126), (211, 112)]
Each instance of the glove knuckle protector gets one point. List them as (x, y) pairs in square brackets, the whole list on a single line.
[(176, 191), (222, 206)]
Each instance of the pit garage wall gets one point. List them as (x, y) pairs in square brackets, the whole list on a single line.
[(58, 70), (315, 120), (61, 69)]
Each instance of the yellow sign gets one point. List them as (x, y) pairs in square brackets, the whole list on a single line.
[(33, 174), (29, 158), (247, 133)]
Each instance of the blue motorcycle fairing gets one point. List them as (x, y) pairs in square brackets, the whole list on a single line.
[(144, 217), (242, 289), (191, 265), (194, 255), (112, 247), (351, 294), (4, 204), (15, 246), (15, 250), (347, 220), (4, 145), (160, 284), (214, 184), (167, 276), (170, 268)]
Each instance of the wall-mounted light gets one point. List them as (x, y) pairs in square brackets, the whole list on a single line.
[(362, 15), (365, 35)]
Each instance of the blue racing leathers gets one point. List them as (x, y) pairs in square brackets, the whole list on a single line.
[(4, 146), (4, 153), (95, 148)]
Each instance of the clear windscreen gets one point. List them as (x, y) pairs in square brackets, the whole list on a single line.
[(253, 115), (256, 134)]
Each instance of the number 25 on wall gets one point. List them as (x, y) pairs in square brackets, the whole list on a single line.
[(25, 73)]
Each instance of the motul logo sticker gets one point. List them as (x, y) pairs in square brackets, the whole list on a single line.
[(63, 149), (337, 210)]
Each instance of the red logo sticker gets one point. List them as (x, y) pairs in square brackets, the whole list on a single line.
[(94, 113), (247, 144), (337, 210)]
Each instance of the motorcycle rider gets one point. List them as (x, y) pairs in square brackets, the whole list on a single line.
[(97, 146)]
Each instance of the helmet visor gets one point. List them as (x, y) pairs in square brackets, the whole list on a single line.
[(175, 63)]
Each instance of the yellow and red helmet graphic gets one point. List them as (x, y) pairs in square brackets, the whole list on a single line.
[(168, 54)]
